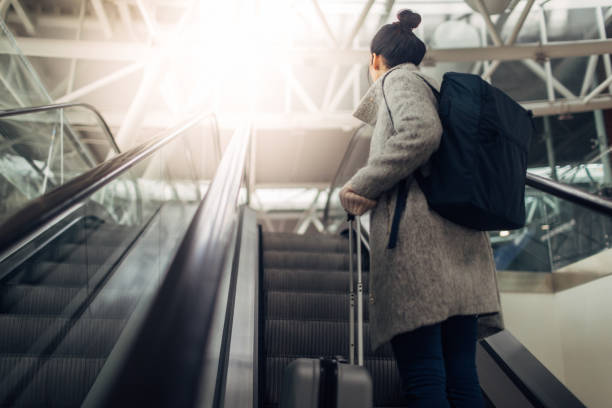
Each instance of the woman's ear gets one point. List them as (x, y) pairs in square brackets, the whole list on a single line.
[(376, 61)]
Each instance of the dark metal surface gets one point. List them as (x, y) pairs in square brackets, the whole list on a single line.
[(165, 365), (46, 108), (538, 385), (47, 207), (345, 158), (569, 193)]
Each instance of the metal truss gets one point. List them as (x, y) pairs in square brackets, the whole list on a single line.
[(348, 62)]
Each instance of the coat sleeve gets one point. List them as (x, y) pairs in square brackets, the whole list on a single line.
[(415, 136)]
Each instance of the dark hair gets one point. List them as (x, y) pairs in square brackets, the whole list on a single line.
[(397, 43)]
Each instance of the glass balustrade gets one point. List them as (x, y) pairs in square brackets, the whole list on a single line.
[(66, 298)]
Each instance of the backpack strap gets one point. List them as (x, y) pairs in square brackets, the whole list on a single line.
[(404, 185)]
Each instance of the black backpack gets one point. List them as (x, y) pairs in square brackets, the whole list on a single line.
[(478, 173)]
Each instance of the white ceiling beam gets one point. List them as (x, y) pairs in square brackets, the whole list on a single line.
[(73, 63), (601, 27), (123, 51), (126, 18), (4, 6), (100, 83), (598, 90), (564, 106), (24, 17), (482, 9), (359, 23), (328, 121), (589, 75), (101, 14), (517, 28), (325, 23), (344, 87), (301, 93), (148, 19), (554, 82), (87, 50)]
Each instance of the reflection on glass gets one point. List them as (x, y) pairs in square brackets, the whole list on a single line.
[(557, 236), (42, 151), (64, 306)]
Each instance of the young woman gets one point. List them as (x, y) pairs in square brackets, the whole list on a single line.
[(436, 292)]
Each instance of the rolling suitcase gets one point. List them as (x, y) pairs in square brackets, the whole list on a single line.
[(329, 382)]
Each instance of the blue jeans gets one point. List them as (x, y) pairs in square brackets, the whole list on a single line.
[(437, 364)]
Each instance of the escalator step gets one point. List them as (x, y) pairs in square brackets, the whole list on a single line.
[(314, 280), (306, 260), (293, 242), (385, 378), (24, 299), (54, 274), (311, 338), (41, 300), (83, 338), (54, 381), (310, 306)]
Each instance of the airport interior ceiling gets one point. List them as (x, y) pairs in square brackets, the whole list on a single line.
[(298, 68)]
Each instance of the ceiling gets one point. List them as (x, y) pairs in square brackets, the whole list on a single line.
[(298, 68)]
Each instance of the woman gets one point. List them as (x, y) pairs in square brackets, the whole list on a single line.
[(436, 292)]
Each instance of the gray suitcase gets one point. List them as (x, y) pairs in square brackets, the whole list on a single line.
[(331, 382)]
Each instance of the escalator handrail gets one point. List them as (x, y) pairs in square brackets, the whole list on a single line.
[(345, 158), (46, 108), (40, 211), (166, 362), (575, 195)]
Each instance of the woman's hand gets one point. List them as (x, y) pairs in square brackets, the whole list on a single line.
[(354, 203)]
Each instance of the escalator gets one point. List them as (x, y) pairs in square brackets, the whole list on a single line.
[(56, 330), (116, 290), (306, 311), (77, 261)]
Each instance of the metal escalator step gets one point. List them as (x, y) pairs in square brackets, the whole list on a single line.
[(309, 338), (55, 381), (385, 378), (24, 299), (84, 338), (54, 274), (42, 300), (294, 242), (314, 280), (306, 260), (310, 306)]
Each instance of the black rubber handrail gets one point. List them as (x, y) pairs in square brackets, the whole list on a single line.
[(40, 211), (166, 362), (575, 195), (58, 106), (332, 185)]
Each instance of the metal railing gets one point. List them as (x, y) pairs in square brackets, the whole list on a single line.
[(166, 362), (41, 211), (552, 187), (347, 155), (61, 106)]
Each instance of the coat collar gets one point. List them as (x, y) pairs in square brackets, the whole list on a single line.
[(367, 109)]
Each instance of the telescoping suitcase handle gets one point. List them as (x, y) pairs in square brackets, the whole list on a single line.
[(355, 226)]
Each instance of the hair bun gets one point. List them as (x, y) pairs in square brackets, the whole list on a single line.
[(409, 19)]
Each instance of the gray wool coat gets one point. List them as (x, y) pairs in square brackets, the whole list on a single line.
[(438, 269)]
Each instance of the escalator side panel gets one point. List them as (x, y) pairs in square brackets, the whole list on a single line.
[(527, 373)]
